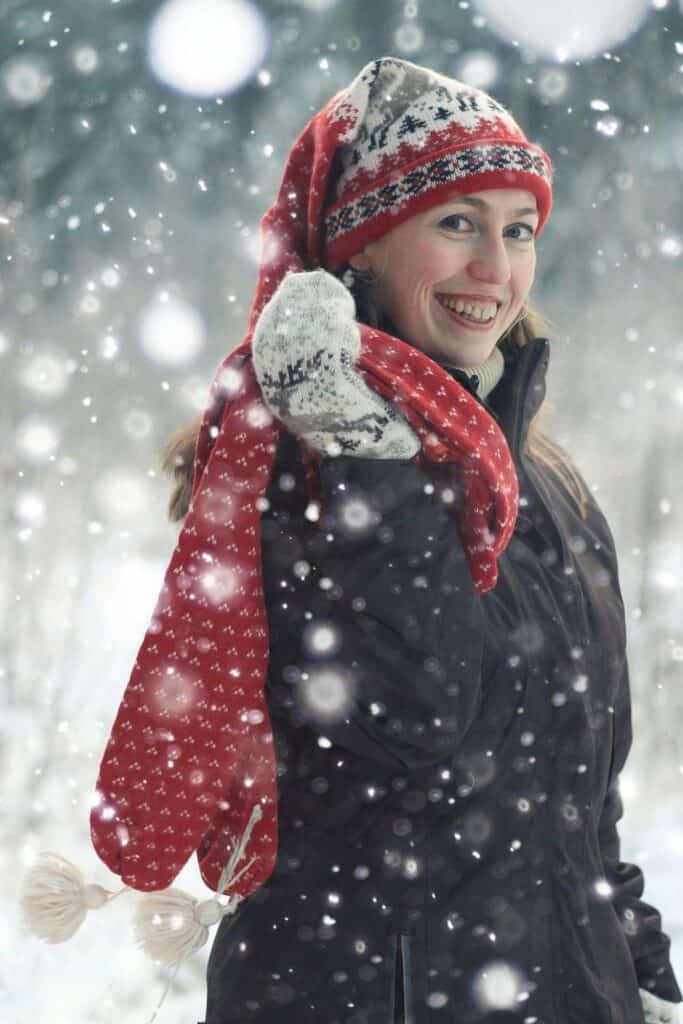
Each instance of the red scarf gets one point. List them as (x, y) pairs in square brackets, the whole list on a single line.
[(191, 752)]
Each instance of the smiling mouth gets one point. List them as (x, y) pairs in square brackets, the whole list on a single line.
[(477, 316)]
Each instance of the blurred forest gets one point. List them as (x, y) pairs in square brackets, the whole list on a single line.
[(129, 212)]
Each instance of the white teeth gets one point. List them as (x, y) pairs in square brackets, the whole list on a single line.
[(480, 313)]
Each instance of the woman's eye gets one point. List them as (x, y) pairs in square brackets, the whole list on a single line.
[(449, 221), (519, 232), (525, 232)]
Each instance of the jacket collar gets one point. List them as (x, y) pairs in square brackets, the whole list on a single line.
[(519, 393)]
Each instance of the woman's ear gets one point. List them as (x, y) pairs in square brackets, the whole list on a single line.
[(360, 260)]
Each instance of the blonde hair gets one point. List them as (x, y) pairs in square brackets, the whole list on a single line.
[(177, 457)]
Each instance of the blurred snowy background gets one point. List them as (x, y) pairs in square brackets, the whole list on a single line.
[(141, 143)]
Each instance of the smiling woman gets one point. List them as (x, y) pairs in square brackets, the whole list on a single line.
[(426, 804), (456, 277)]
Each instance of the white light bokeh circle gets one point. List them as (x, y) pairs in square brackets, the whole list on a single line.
[(85, 58), (171, 331), (565, 31), (192, 391), (478, 68), (552, 84), (122, 495), (36, 438), (320, 638), (206, 47), (327, 693), (137, 424), (408, 38), (608, 125), (30, 509), (45, 375), (25, 80), (665, 571), (175, 694), (230, 380), (111, 277), (499, 986), (437, 1000), (220, 583), (671, 246), (258, 416)]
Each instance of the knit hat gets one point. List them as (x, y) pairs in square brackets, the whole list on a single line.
[(398, 140), (190, 764), (412, 139)]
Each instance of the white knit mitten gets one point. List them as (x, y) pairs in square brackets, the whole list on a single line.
[(659, 1011), (304, 350)]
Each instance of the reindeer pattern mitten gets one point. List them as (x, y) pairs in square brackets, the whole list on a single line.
[(304, 350)]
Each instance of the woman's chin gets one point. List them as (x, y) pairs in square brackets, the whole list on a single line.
[(464, 351)]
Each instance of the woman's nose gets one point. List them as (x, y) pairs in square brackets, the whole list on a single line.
[(490, 263)]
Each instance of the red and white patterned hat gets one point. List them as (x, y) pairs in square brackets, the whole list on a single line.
[(412, 138)]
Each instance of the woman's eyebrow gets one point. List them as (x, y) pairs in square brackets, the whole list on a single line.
[(483, 205)]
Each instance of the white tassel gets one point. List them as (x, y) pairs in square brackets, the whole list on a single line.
[(172, 925), (55, 899), (169, 925)]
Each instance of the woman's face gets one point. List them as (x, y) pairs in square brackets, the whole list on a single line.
[(474, 253)]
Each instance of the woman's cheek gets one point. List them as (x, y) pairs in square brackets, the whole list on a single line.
[(525, 271)]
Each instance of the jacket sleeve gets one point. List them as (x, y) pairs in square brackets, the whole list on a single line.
[(375, 623), (641, 922)]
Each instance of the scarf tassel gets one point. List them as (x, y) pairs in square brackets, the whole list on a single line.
[(169, 925)]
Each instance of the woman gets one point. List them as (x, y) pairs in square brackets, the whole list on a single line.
[(450, 707)]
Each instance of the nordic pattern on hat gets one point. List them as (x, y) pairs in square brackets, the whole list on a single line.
[(462, 165), (407, 136), (404, 103)]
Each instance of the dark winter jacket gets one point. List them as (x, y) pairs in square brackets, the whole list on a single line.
[(448, 761)]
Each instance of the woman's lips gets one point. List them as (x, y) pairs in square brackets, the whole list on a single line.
[(471, 324)]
